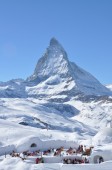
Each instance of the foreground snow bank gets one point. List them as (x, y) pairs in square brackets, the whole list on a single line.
[(18, 164), (13, 164)]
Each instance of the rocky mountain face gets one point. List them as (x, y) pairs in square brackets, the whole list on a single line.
[(109, 86), (54, 68), (57, 90), (55, 77), (13, 89)]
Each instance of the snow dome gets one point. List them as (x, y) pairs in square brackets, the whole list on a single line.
[(102, 151), (103, 136)]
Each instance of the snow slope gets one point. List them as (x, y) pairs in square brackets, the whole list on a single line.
[(58, 89), (39, 114), (54, 71), (59, 96), (59, 101), (13, 88), (17, 164), (96, 113), (109, 86), (103, 136)]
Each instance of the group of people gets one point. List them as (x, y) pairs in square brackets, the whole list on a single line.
[(75, 161), (34, 153), (14, 154), (55, 152), (25, 154), (39, 160)]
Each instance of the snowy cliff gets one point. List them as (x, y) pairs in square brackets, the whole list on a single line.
[(59, 95), (55, 77), (55, 74)]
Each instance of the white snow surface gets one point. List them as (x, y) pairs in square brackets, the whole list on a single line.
[(60, 104), (36, 113), (109, 86), (17, 164), (103, 136)]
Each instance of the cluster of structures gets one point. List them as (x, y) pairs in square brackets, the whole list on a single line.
[(67, 152), (60, 155)]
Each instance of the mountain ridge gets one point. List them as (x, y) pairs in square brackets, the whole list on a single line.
[(59, 94), (55, 75), (55, 63)]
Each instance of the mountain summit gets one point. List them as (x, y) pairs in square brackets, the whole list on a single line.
[(55, 78), (54, 71), (59, 96), (54, 42), (53, 62)]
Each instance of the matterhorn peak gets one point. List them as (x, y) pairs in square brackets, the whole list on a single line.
[(54, 41), (56, 46), (54, 64)]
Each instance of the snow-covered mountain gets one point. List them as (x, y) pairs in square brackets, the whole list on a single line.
[(109, 86), (13, 89), (56, 75), (59, 95)]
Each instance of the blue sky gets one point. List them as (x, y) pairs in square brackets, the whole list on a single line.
[(83, 27)]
